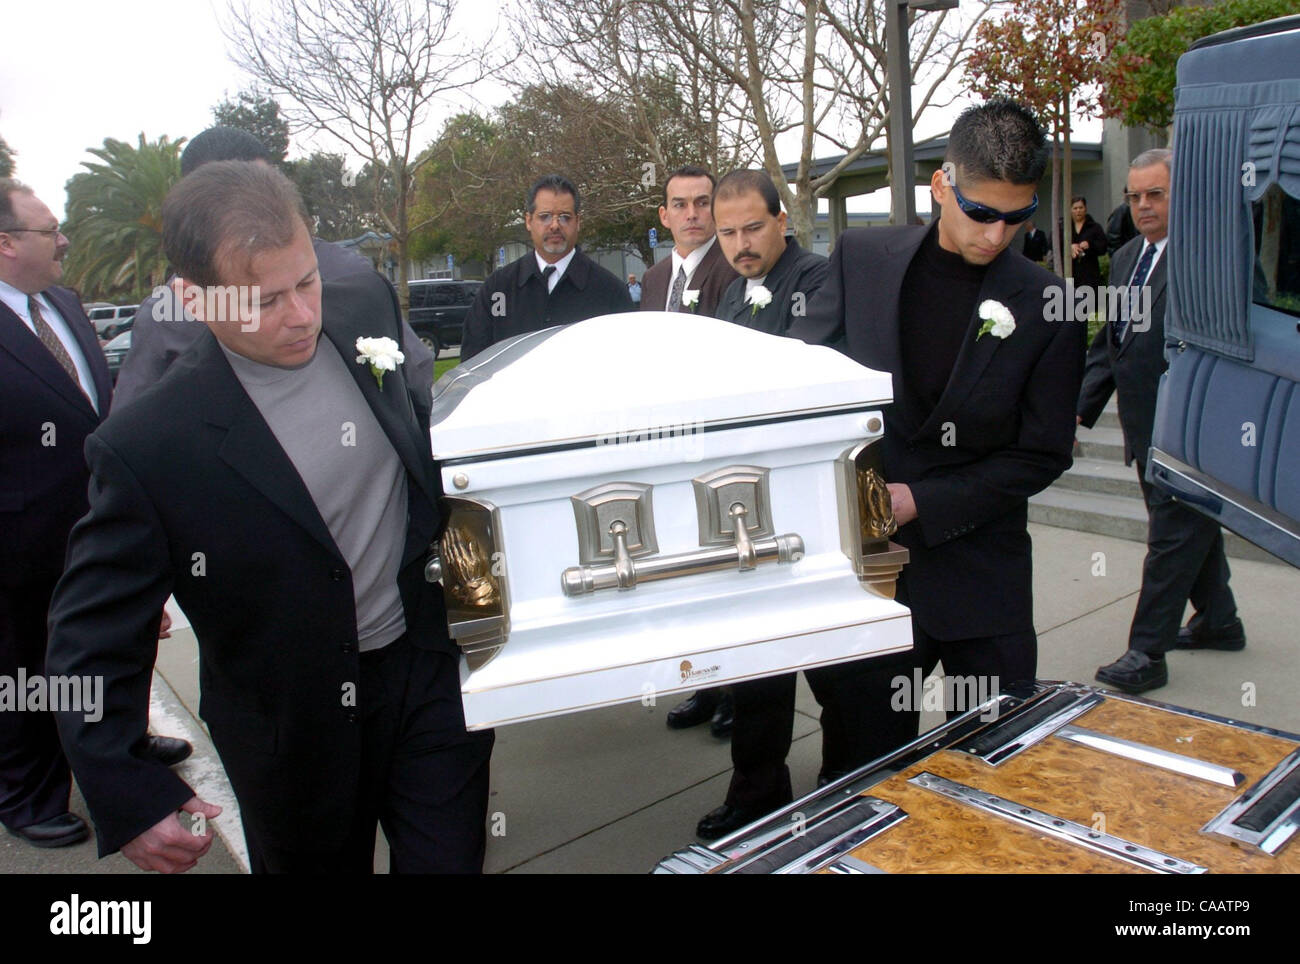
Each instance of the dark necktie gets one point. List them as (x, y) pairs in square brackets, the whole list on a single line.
[(51, 341), (1118, 326), (679, 285), (546, 277)]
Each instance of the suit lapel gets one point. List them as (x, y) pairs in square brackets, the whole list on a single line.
[(392, 405), (881, 301), (25, 346), (249, 446), (89, 342), (976, 353), (1156, 287)]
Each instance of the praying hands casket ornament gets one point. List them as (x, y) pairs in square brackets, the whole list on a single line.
[(648, 503)]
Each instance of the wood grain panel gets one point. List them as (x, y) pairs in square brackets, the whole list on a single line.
[(1144, 804)]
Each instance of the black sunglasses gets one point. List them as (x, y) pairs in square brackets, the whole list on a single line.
[(987, 215)]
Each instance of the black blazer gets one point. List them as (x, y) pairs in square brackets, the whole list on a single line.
[(191, 494), (711, 279), (793, 281), (514, 300), (1002, 430), (44, 420), (1134, 368)]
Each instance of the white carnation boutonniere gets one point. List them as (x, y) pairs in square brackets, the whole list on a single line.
[(758, 297), (691, 299), (997, 318), (381, 354)]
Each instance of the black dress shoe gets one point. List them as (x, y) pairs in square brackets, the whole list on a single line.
[(724, 717), (726, 818), (1135, 672), (61, 831), (696, 709), (167, 750), (1231, 637)]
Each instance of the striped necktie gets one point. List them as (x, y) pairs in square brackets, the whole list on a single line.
[(51, 340), (1119, 326)]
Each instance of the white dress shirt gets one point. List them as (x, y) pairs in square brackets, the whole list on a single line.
[(560, 267)]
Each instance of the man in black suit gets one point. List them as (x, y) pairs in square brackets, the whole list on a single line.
[(697, 273), (280, 484), (1035, 247), (982, 418), (54, 391), (777, 280), (555, 284), (161, 331), (1184, 548)]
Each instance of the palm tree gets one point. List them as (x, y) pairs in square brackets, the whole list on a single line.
[(114, 220)]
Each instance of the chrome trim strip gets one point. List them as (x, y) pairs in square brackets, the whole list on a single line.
[(1057, 827), (1279, 831), (848, 864), (1153, 756), (1021, 740), (880, 815)]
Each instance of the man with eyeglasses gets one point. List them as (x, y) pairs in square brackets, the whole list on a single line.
[(554, 284), (54, 391), (1185, 557), (982, 418)]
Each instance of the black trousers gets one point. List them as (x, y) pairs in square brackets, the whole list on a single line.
[(1184, 561), (423, 777), (35, 781), (869, 708)]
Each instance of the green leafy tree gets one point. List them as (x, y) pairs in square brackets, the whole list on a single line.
[(1048, 55), (468, 192), (563, 129), (331, 196), (1138, 76), (114, 217), (6, 159), (259, 114)]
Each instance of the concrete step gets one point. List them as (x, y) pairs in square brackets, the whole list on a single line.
[(1102, 476), (1116, 515), (1109, 417), (1100, 443)]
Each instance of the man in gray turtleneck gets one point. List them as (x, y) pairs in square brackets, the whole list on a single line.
[(285, 493)]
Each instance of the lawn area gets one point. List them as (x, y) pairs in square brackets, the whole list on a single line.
[(442, 365)]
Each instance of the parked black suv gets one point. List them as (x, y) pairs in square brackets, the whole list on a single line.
[(438, 309)]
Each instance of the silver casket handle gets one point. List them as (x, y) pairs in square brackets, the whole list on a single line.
[(625, 572)]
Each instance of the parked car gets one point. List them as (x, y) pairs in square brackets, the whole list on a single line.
[(1227, 427), (115, 353), (438, 309), (110, 320)]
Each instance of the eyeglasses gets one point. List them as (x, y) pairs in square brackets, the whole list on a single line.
[(1155, 195), (546, 217), (987, 215), (54, 232)]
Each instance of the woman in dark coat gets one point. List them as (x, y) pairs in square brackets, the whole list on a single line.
[(1087, 244)]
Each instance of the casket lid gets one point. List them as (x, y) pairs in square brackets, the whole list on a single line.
[(585, 383)]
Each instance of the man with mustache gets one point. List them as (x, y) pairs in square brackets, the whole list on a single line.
[(777, 280), (555, 284)]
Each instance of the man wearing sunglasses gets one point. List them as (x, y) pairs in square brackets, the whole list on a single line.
[(982, 418), (554, 284)]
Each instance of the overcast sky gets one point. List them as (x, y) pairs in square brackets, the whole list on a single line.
[(77, 71)]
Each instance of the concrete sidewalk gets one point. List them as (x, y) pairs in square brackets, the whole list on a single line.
[(614, 790)]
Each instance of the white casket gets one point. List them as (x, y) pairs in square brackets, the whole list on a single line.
[(595, 477)]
